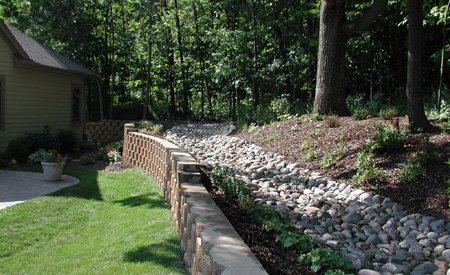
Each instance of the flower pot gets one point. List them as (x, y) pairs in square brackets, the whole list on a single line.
[(52, 171)]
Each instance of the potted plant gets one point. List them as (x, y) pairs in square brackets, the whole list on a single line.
[(52, 163)]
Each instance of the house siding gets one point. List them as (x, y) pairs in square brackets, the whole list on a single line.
[(34, 98)]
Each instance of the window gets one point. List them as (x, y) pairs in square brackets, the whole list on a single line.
[(76, 104), (2, 103)]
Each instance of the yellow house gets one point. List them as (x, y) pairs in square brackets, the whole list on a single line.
[(38, 87)]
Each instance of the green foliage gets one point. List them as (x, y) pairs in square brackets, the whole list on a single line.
[(330, 158), (271, 137), (310, 154), (388, 138), (149, 127), (306, 145), (366, 167), (388, 113), (325, 259), (88, 159), (301, 242), (42, 155), (280, 107), (225, 179), (114, 156), (361, 113), (332, 121), (416, 167)]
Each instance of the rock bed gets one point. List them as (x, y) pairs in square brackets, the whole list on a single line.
[(371, 230)]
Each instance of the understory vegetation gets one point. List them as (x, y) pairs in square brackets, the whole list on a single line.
[(318, 257)]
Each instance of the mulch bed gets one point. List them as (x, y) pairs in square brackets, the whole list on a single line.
[(274, 258), (427, 195)]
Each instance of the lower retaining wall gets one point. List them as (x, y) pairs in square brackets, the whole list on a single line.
[(209, 241), (105, 131)]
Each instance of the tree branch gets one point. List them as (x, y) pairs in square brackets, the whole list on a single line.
[(364, 20)]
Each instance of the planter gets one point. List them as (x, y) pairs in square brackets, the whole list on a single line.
[(52, 171)]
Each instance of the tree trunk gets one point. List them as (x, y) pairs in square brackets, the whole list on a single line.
[(330, 87), (334, 32), (414, 92), (255, 59)]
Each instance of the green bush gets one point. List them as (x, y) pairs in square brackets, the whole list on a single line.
[(114, 156), (361, 113), (280, 107), (388, 113), (88, 159), (325, 259), (366, 167), (416, 167), (301, 242), (388, 138), (412, 170), (149, 127), (225, 179), (67, 141)]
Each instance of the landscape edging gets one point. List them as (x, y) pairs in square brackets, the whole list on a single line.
[(210, 243)]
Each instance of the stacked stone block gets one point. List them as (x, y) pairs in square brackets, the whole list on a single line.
[(209, 241)]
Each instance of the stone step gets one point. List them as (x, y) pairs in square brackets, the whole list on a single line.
[(190, 177), (188, 166)]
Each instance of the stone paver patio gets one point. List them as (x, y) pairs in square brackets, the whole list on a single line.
[(17, 187)]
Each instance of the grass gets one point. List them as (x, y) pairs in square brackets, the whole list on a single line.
[(110, 223)]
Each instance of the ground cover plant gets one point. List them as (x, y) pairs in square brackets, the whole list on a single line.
[(317, 257), (110, 223)]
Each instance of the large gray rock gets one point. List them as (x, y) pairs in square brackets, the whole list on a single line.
[(438, 226), (424, 268), (353, 218), (368, 272)]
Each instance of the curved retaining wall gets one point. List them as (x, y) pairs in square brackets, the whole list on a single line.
[(209, 241)]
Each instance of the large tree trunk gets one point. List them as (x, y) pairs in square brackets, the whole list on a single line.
[(414, 92), (334, 32), (330, 86)]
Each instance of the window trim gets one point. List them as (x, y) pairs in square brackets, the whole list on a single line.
[(79, 87), (2, 102)]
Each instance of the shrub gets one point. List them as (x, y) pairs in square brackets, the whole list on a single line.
[(388, 113), (325, 259), (114, 156), (305, 145), (310, 154), (301, 242), (148, 127), (361, 113), (280, 107), (412, 170), (85, 144), (366, 167), (332, 121), (19, 148), (225, 179), (88, 159), (331, 157), (416, 167), (67, 141), (388, 138)]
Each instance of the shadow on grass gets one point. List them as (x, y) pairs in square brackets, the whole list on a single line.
[(143, 200), (87, 188), (166, 254)]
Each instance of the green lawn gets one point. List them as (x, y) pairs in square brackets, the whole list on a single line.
[(110, 223)]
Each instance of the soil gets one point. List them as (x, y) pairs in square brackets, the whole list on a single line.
[(274, 258), (294, 139)]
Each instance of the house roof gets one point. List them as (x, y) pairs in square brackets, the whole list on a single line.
[(33, 53)]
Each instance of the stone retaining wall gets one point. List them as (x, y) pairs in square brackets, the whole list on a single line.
[(209, 241), (105, 131)]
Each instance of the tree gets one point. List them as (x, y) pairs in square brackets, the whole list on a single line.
[(334, 32), (414, 91)]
